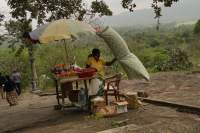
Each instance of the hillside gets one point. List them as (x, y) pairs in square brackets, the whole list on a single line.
[(183, 11)]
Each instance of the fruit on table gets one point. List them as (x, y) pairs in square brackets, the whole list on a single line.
[(86, 72), (67, 73)]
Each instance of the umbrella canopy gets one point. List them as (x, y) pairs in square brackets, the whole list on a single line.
[(61, 29)]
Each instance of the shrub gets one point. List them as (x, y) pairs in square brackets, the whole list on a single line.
[(9, 62), (154, 43), (197, 27), (160, 61), (178, 60)]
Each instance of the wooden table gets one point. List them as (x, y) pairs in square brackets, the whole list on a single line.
[(66, 85)]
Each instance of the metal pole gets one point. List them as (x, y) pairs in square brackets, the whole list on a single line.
[(33, 69)]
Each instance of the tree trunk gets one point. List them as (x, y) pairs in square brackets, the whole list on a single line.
[(34, 77)]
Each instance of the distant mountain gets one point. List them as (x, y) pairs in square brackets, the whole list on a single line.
[(182, 11)]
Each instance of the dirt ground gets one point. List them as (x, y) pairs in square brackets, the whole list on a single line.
[(173, 87), (35, 114)]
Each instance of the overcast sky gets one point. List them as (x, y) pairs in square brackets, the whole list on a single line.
[(3, 6)]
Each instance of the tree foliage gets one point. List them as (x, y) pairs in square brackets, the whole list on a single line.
[(8, 62), (197, 27), (24, 11), (48, 10), (16, 28), (177, 60), (101, 8), (170, 49)]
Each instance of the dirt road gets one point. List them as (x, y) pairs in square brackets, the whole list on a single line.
[(35, 114)]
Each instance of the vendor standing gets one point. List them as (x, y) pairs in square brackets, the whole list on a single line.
[(95, 61)]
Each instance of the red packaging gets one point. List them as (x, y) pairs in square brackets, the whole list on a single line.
[(87, 72)]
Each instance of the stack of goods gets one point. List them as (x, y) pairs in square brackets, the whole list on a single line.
[(61, 70), (107, 111), (99, 107), (133, 102), (120, 106), (97, 103)]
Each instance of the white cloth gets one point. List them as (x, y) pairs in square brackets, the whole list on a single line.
[(94, 86)]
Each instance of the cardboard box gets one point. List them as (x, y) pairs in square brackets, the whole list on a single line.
[(97, 103), (132, 99), (107, 111), (120, 106)]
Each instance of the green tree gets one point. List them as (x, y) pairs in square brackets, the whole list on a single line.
[(47, 10), (197, 27)]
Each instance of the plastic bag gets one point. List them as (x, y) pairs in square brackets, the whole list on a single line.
[(129, 62)]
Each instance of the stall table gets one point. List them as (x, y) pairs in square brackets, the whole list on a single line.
[(66, 85)]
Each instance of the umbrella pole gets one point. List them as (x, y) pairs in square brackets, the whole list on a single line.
[(33, 69), (65, 48)]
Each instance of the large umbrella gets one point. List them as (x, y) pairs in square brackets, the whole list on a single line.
[(61, 30)]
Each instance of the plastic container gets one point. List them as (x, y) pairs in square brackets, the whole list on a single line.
[(82, 97), (87, 72)]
